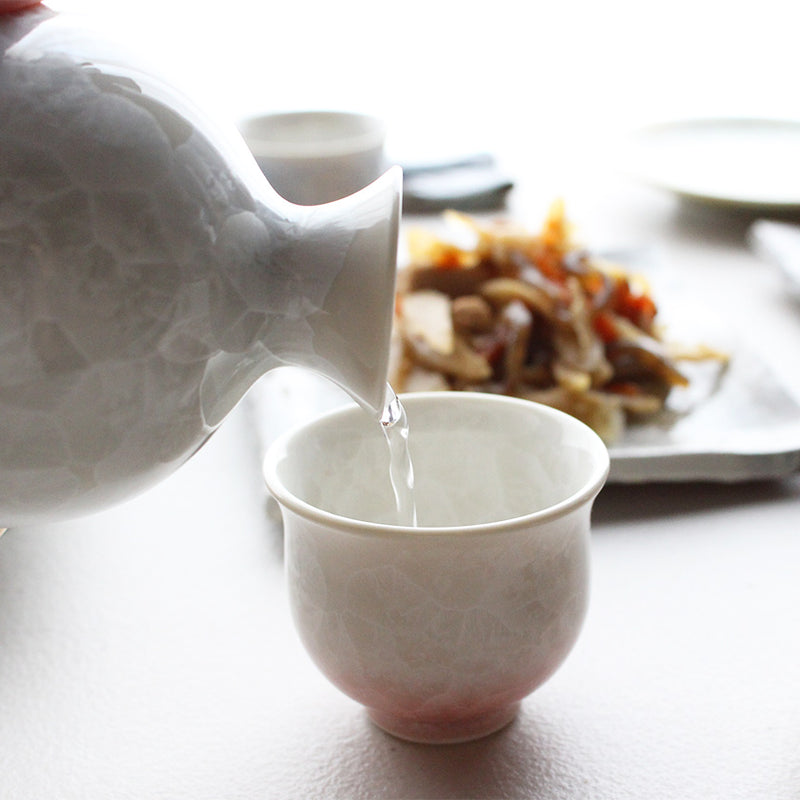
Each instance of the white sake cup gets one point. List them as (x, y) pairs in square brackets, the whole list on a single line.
[(313, 157), (440, 630)]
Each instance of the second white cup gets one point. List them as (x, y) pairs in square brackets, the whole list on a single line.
[(314, 157)]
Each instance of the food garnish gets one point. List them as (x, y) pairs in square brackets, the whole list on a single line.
[(533, 316)]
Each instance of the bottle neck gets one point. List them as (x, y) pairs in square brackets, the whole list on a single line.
[(333, 290), (307, 286)]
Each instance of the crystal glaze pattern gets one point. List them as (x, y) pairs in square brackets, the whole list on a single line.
[(439, 629), (149, 274), (439, 636)]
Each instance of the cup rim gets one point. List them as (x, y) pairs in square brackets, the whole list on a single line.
[(587, 492), (370, 137)]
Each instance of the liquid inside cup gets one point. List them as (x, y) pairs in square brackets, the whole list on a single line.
[(474, 463)]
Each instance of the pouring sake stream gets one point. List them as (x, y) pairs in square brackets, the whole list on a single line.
[(149, 275)]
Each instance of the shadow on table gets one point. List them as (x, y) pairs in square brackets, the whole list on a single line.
[(619, 502), (522, 760)]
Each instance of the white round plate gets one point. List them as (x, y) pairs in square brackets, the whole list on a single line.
[(743, 162)]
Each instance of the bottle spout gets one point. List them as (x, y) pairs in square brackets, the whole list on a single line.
[(346, 252)]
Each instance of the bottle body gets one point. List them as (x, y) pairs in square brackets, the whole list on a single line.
[(150, 275)]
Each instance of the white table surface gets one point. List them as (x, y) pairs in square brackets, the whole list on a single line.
[(147, 652)]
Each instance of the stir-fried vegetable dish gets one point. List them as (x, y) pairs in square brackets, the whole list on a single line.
[(535, 316)]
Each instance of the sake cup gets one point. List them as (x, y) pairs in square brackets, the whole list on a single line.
[(439, 629), (314, 157)]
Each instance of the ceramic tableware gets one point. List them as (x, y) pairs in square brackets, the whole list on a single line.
[(440, 630)]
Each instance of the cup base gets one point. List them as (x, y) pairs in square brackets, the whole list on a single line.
[(452, 731)]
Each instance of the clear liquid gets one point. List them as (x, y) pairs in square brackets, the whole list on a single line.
[(401, 472)]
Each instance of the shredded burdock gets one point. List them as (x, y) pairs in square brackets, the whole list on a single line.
[(533, 316)]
